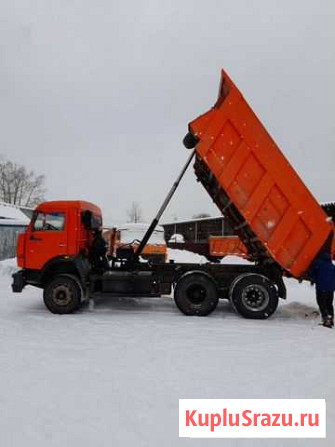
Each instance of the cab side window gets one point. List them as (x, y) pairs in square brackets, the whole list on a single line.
[(49, 222), (39, 222)]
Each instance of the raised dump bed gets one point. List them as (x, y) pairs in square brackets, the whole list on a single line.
[(254, 185)]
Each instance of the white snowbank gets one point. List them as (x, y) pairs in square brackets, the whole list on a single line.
[(8, 266), (189, 257), (185, 256), (177, 238), (232, 259)]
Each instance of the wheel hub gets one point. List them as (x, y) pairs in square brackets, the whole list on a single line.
[(255, 297), (196, 293), (62, 295)]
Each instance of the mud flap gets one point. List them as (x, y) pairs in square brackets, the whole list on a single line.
[(19, 282)]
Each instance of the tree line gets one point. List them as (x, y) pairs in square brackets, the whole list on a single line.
[(20, 186)]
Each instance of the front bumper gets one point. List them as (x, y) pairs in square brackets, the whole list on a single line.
[(19, 281)]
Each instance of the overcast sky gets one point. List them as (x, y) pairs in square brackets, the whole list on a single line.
[(97, 95)]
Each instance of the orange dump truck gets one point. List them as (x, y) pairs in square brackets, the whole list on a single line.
[(279, 222), (254, 185)]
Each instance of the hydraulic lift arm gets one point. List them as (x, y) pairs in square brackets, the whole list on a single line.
[(155, 221)]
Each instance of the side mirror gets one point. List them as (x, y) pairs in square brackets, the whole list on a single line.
[(86, 218)]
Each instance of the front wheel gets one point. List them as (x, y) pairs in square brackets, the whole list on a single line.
[(63, 294), (254, 296), (196, 294)]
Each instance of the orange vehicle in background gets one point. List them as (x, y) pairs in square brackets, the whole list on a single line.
[(222, 246), (130, 234)]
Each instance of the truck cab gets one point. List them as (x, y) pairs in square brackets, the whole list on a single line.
[(57, 240), (60, 229)]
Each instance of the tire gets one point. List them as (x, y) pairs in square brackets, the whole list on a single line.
[(190, 141), (254, 296), (63, 294), (196, 294)]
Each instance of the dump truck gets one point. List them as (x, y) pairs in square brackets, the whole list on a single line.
[(276, 217)]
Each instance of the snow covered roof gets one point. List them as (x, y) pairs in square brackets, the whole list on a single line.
[(12, 215), (200, 219), (136, 231), (138, 226)]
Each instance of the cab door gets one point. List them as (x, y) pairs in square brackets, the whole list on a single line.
[(46, 238)]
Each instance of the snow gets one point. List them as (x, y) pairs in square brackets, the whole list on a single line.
[(177, 238), (185, 256), (188, 257), (233, 259), (12, 215), (114, 376), (8, 266), (136, 231)]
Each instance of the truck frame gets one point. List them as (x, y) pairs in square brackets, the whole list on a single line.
[(284, 229)]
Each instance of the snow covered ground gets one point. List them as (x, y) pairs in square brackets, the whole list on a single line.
[(113, 377)]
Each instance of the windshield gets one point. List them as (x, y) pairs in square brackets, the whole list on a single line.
[(48, 221)]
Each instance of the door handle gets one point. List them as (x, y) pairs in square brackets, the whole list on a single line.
[(62, 245), (34, 238)]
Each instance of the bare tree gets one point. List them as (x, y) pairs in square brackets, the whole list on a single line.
[(20, 186), (135, 213)]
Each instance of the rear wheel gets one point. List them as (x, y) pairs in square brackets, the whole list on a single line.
[(63, 294), (254, 296), (196, 294)]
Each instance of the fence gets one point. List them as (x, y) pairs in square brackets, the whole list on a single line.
[(13, 221), (8, 239), (198, 230)]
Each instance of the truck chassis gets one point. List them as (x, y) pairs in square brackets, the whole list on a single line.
[(254, 290)]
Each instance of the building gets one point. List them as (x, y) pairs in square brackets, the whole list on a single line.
[(198, 230), (13, 221)]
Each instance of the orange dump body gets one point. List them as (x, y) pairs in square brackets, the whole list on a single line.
[(255, 186), (227, 245)]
